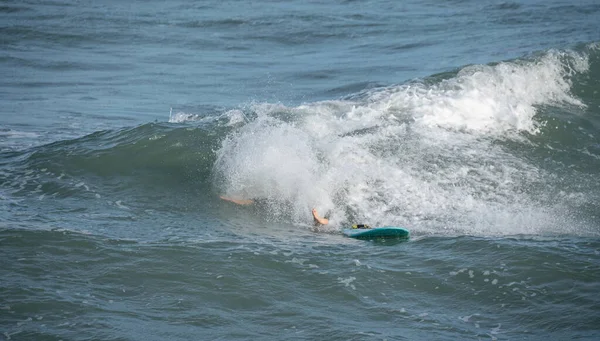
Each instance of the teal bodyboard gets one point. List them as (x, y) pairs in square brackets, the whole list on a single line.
[(386, 232)]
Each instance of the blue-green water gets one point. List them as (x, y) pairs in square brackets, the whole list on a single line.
[(475, 124)]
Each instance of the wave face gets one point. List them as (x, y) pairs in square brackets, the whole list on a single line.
[(500, 149)]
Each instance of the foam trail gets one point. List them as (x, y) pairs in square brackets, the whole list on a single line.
[(420, 155)]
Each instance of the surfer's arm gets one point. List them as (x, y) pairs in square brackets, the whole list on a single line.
[(318, 219), (238, 201)]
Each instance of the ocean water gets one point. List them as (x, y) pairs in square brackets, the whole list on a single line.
[(474, 124)]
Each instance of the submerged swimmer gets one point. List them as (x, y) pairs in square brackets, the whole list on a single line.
[(244, 202), (316, 217)]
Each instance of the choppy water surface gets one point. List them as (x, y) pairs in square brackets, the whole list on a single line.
[(474, 124)]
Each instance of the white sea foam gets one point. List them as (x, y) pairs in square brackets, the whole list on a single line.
[(490, 100), (417, 155), (180, 117), (347, 281), (14, 134)]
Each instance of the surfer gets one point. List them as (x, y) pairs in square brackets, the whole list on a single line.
[(244, 202), (360, 231)]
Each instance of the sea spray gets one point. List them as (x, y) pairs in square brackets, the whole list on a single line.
[(428, 155)]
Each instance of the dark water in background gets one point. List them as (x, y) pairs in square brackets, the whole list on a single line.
[(475, 124)]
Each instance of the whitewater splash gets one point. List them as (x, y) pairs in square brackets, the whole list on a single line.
[(490, 100), (429, 155)]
